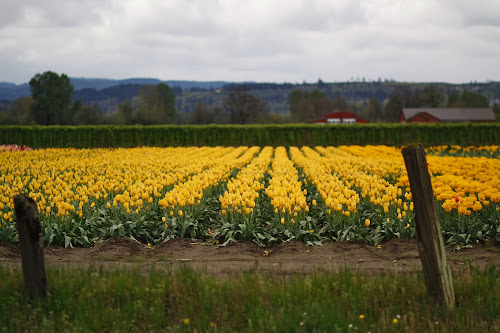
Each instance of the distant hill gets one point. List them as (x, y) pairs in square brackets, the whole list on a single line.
[(276, 95), (82, 83), (108, 93), (10, 91)]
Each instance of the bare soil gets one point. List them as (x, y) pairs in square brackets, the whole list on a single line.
[(399, 256)]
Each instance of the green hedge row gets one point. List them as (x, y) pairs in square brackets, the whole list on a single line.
[(261, 135)]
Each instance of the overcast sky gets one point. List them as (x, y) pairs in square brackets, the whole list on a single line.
[(252, 40)]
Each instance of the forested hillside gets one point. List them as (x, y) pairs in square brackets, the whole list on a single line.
[(115, 101)]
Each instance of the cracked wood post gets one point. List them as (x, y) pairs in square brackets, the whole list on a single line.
[(31, 244), (437, 272)]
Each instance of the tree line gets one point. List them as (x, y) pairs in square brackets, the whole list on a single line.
[(51, 102)]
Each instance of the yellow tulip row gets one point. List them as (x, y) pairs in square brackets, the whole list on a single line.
[(64, 180), (463, 183), (336, 195), (242, 191), (284, 188), (190, 193), (176, 168), (459, 149), (365, 169)]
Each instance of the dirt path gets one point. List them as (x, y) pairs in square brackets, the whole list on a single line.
[(288, 258)]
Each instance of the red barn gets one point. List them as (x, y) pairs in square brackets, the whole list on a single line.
[(446, 115), (340, 118)]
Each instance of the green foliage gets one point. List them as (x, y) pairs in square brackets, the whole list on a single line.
[(96, 299), (264, 226), (52, 95), (156, 105), (468, 99), (305, 106), (245, 108), (248, 135)]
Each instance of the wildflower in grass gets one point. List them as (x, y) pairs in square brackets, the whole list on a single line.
[(395, 321), (211, 324), (361, 316), (186, 321)]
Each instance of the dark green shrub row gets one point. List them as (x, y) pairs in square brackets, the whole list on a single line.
[(261, 135)]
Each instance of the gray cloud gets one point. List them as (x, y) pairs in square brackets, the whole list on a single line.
[(261, 40)]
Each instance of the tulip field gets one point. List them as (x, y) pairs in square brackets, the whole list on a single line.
[(266, 195)]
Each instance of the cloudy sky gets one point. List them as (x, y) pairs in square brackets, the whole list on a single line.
[(252, 40)]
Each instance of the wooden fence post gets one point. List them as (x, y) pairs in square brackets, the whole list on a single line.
[(31, 244), (437, 272)]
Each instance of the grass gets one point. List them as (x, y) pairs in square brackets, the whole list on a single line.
[(98, 299)]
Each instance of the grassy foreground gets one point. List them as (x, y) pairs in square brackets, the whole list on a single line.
[(96, 300)]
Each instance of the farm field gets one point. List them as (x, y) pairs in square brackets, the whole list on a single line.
[(264, 195), (248, 239)]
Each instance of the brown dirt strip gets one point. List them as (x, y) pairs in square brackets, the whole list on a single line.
[(398, 256)]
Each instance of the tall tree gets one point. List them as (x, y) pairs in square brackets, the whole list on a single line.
[(19, 111), (201, 114), (244, 108), (306, 111), (374, 110), (88, 115), (305, 106), (430, 96), (156, 105), (322, 104), (296, 98), (393, 107), (454, 100), (340, 103), (124, 113), (468, 99), (52, 95)]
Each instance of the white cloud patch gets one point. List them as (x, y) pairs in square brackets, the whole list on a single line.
[(260, 40)]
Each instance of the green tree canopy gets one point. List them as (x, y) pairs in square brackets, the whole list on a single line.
[(19, 112), (124, 113), (305, 106), (156, 105), (52, 98), (374, 110), (244, 108), (468, 99)]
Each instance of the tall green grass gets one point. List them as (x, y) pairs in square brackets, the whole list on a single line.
[(97, 299)]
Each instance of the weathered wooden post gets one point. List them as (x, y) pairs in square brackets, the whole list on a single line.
[(437, 273), (31, 244)]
